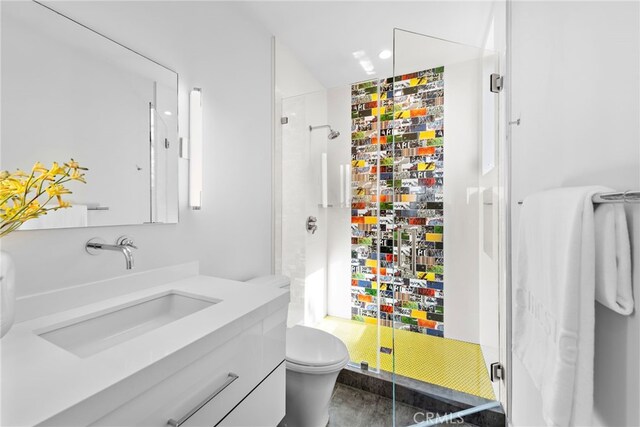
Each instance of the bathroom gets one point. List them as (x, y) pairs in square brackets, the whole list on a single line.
[(546, 132)]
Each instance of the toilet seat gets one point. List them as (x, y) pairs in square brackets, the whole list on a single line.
[(311, 350)]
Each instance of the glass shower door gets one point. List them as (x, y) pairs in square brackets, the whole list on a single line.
[(443, 138)]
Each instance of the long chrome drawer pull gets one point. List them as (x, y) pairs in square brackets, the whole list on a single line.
[(231, 378)]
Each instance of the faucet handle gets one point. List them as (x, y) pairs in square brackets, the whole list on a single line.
[(126, 241)]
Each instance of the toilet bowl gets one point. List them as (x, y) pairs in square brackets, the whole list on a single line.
[(314, 359)]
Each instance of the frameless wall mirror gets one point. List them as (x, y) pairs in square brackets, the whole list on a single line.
[(69, 92)]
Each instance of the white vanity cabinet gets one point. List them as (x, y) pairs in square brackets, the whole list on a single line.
[(224, 381), (221, 365)]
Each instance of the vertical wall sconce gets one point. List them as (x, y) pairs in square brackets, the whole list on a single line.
[(195, 148)]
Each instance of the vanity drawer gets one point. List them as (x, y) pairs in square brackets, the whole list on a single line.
[(265, 406), (212, 376)]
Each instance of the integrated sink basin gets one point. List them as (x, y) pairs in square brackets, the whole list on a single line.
[(98, 331)]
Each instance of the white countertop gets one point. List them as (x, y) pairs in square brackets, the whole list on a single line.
[(40, 380)]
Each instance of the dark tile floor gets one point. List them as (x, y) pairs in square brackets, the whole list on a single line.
[(351, 407)]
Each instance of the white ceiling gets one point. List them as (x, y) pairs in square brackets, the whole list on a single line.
[(324, 34)]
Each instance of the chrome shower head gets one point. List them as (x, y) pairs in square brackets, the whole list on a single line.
[(333, 134)]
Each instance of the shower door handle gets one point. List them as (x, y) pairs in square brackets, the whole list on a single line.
[(414, 248), (399, 245), (413, 232)]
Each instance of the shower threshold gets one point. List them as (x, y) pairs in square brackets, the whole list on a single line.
[(428, 397)]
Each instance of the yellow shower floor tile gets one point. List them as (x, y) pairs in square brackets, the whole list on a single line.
[(449, 363)]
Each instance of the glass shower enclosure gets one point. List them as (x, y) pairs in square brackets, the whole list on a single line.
[(405, 264)]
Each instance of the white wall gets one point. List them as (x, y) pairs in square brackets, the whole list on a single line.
[(213, 46), (575, 86)]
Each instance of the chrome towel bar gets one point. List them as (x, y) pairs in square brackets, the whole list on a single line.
[(614, 197), (617, 197)]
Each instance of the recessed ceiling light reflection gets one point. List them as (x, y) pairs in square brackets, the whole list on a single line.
[(168, 113), (364, 61), (366, 65), (385, 54), (358, 54)]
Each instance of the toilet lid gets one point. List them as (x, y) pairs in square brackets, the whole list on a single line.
[(313, 347)]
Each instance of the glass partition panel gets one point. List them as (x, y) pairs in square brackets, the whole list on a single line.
[(443, 133)]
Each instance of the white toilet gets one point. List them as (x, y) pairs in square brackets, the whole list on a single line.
[(314, 359)]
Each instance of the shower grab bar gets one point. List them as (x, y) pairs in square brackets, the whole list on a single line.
[(613, 197)]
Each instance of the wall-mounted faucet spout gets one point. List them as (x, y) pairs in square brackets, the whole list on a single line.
[(123, 245)]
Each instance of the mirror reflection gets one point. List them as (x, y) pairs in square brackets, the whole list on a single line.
[(69, 92)]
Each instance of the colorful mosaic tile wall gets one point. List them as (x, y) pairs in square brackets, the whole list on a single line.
[(399, 186)]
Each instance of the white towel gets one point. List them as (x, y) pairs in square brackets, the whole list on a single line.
[(613, 259), (554, 309)]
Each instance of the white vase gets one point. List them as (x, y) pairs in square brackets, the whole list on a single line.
[(7, 292)]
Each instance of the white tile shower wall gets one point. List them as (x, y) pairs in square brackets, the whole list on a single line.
[(316, 243), (576, 89), (300, 255), (304, 254), (231, 236), (295, 155), (339, 217), (291, 79)]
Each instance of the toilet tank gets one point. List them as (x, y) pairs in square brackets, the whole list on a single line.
[(276, 281)]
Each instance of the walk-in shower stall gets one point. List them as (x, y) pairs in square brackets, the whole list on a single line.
[(403, 190)]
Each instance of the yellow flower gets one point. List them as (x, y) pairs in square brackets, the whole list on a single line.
[(74, 165), (56, 169), (10, 212), (77, 176), (39, 167), (63, 203), (11, 185), (32, 209), (56, 190), (19, 187)]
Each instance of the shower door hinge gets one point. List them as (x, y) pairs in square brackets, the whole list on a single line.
[(497, 372), (284, 120), (496, 83)]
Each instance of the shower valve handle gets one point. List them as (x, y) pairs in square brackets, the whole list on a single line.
[(311, 224)]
